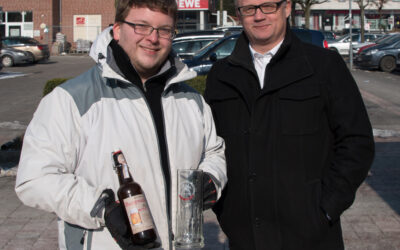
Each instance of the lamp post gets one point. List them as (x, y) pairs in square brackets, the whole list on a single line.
[(221, 10), (351, 36)]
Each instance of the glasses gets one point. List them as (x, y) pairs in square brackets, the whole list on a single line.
[(266, 8), (144, 29)]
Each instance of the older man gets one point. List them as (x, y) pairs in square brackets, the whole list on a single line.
[(298, 138)]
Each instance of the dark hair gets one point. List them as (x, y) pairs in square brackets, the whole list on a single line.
[(168, 7)]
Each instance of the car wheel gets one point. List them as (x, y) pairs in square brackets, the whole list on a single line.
[(31, 57), (7, 61), (388, 64)]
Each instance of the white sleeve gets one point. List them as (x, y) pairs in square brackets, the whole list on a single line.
[(45, 177), (214, 156)]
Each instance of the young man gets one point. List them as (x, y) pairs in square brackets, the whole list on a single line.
[(134, 100), (298, 138)]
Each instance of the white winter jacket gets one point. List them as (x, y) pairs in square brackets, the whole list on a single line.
[(66, 157)]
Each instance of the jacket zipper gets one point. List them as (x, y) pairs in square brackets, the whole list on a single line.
[(170, 232)]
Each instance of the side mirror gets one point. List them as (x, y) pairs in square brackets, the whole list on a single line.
[(213, 57)]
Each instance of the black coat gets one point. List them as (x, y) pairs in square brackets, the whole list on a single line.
[(295, 150)]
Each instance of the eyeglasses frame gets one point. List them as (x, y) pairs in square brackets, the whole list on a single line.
[(278, 5), (133, 25)]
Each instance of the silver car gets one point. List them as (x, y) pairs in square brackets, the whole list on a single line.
[(342, 44), (11, 57)]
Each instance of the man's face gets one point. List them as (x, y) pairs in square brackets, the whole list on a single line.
[(146, 52), (265, 30)]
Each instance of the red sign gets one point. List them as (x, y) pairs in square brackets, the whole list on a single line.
[(80, 20), (192, 4)]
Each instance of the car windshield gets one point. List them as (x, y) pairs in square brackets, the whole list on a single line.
[(204, 50), (390, 39), (31, 40)]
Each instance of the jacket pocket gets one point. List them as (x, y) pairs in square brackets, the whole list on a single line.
[(226, 108), (300, 109)]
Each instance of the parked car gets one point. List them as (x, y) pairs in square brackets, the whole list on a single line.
[(342, 44), (384, 56), (330, 36), (203, 60), (232, 29), (311, 36), (346, 31), (187, 48), (11, 57), (360, 47), (36, 50), (199, 34)]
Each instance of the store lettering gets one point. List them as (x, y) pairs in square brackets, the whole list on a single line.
[(189, 3)]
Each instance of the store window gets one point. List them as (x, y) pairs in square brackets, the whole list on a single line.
[(14, 17), (28, 17)]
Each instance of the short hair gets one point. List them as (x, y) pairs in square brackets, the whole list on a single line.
[(168, 7)]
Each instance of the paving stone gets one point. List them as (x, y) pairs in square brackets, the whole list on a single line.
[(387, 224)]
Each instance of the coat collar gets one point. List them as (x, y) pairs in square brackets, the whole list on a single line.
[(288, 65)]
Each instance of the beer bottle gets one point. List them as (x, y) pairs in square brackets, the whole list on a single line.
[(134, 202)]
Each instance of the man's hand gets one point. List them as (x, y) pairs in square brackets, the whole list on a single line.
[(209, 192), (118, 225)]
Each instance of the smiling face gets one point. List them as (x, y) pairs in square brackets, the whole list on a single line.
[(265, 30), (146, 52)]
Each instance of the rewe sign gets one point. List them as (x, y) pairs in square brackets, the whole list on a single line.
[(192, 4)]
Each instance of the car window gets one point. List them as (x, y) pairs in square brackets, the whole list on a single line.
[(368, 38), (391, 39), (190, 46), (9, 42), (180, 47), (225, 49), (31, 40)]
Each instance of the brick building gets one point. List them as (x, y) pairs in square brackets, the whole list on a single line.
[(43, 19), (82, 19)]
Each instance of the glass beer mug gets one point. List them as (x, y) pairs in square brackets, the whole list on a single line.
[(189, 217)]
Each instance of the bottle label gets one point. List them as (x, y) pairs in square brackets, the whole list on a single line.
[(138, 213)]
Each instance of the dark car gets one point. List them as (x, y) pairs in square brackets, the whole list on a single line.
[(11, 57), (311, 36), (185, 49), (36, 50), (330, 36), (231, 29), (203, 60), (384, 56), (199, 33)]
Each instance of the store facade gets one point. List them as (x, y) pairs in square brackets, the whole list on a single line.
[(83, 19), (334, 15)]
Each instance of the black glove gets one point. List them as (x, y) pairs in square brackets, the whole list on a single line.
[(209, 192), (118, 226)]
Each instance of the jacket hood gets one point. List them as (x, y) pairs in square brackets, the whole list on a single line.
[(103, 56)]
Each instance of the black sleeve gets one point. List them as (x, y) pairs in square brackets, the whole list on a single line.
[(353, 139)]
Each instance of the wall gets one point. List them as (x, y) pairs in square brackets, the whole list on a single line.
[(42, 13), (105, 8)]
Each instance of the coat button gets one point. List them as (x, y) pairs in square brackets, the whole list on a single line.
[(252, 177), (257, 222)]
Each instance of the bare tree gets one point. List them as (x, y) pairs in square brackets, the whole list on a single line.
[(379, 5), (362, 4), (306, 7)]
